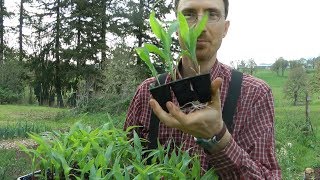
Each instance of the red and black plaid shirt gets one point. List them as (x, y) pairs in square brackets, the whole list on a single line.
[(251, 151)]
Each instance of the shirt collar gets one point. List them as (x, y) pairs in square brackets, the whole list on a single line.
[(214, 71)]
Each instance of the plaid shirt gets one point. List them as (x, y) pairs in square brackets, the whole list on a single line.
[(250, 153)]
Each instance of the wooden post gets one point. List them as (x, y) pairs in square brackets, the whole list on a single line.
[(308, 121)]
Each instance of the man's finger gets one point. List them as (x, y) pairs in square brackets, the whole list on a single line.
[(163, 116), (215, 93), (177, 114)]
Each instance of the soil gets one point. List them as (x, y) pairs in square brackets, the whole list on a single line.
[(317, 173), (14, 144)]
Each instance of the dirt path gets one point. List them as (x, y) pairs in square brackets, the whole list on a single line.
[(14, 143)]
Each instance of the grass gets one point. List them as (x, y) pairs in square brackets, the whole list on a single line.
[(13, 163), (296, 150)]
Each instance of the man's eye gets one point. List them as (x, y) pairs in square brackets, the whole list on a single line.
[(188, 14), (214, 15)]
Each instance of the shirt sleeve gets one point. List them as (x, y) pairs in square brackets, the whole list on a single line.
[(255, 157)]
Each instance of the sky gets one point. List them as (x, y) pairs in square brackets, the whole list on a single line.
[(265, 30)]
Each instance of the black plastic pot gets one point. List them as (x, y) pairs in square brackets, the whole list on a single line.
[(29, 176), (162, 94), (197, 88), (202, 87), (183, 91)]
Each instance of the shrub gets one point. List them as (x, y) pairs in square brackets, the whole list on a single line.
[(121, 78), (8, 96), (11, 82)]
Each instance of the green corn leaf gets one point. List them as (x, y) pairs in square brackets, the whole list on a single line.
[(65, 166), (166, 42), (100, 160), (154, 49), (88, 166), (86, 149), (155, 25), (144, 55), (184, 29), (210, 175), (137, 146), (116, 170), (201, 25)]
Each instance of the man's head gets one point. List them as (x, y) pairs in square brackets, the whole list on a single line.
[(226, 6), (216, 29)]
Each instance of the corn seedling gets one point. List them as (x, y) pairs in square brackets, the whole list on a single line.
[(107, 153)]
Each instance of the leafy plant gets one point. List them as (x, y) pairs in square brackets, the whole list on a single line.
[(189, 37), (164, 53), (107, 153), (20, 129)]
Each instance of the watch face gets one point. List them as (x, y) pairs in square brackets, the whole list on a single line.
[(206, 143)]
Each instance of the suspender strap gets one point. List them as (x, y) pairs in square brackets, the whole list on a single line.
[(154, 122), (230, 104)]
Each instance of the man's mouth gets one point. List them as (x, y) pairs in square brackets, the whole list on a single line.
[(201, 43)]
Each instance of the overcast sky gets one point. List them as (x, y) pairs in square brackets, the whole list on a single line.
[(267, 29)]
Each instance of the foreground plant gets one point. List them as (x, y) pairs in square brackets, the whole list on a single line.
[(163, 52), (189, 37), (106, 153)]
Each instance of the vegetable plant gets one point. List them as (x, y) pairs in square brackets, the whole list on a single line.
[(189, 37), (164, 52), (108, 153)]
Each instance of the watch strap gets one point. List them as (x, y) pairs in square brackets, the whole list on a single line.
[(219, 136), (207, 144)]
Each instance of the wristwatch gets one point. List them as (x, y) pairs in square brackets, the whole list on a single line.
[(208, 144)]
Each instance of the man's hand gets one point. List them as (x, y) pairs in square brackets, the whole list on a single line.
[(204, 123)]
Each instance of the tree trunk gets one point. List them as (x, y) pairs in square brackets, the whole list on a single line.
[(1, 31), (308, 122), (295, 99), (57, 54), (20, 30), (103, 32), (139, 35)]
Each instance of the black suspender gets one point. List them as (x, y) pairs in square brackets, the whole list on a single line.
[(229, 107), (230, 103), (154, 121)]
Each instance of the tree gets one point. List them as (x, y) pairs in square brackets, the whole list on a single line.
[(251, 65), (296, 85), (2, 14), (295, 63), (280, 64), (22, 15), (137, 17), (316, 78)]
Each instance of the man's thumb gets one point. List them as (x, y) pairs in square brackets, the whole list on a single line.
[(215, 92)]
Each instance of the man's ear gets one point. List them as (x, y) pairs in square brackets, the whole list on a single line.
[(226, 28)]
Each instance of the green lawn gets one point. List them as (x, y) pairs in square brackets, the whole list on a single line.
[(296, 149)]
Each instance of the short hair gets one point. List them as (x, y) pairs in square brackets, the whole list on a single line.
[(226, 6)]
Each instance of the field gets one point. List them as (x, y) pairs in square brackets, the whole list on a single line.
[(296, 149)]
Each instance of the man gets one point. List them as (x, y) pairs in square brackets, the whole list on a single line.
[(247, 153)]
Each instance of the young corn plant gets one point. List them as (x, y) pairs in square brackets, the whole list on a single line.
[(190, 36), (164, 53), (107, 153)]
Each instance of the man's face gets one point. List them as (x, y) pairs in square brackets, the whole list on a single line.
[(210, 40)]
